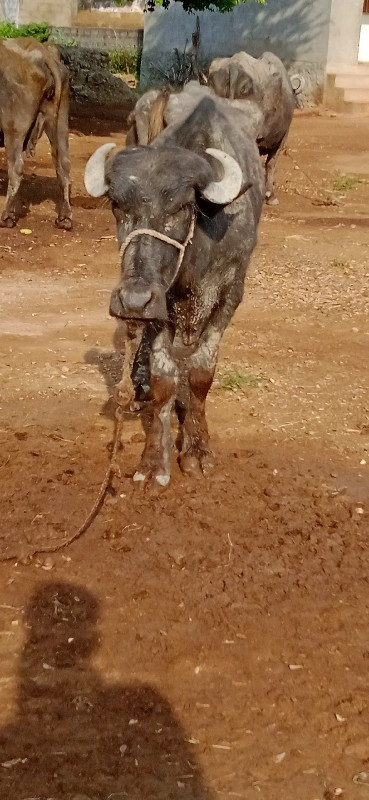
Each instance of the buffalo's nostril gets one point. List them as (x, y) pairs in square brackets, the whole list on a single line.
[(135, 299)]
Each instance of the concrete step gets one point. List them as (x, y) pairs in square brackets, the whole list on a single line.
[(352, 81), (356, 96), (356, 109), (348, 69)]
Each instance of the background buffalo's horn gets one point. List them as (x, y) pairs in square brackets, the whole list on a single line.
[(297, 82), (95, 182), (224, 191)]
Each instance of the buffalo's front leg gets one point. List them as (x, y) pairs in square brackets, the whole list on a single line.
[(194, 436), (156, 458)]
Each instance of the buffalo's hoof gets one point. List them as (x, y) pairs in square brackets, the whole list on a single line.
[(7, 222), (272, 200), (64, 224), (160, 480), (197, 465)]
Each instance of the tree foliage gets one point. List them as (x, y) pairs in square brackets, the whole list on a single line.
[(196, 5), (203, 5)]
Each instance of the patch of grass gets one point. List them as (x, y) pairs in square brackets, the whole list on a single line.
[(341, 264), (235, 379), (125, 61), (57, 37), (39, 30), (343, 183)]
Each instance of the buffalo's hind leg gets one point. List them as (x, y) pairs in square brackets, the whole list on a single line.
[(56, 128), (14, 155), (270, 166), (157, 455)]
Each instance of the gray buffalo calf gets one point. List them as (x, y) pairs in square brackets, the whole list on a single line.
[(187, 209)]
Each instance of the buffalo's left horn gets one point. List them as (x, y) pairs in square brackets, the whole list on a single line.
[(297, 82), (228, 188), (95, 181)]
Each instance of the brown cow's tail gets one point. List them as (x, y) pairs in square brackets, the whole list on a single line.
[(55, 67), (156, 121)]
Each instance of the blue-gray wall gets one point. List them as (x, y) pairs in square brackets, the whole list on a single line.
[(296, 30)]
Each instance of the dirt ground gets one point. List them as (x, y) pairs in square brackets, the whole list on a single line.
[(211, 641)]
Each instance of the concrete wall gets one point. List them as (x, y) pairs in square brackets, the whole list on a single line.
[(9, 10), (54, 12), (344, 33), (296, 30), (103, 38)]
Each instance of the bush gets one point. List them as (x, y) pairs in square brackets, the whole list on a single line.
[(39, 30), (125, 61)]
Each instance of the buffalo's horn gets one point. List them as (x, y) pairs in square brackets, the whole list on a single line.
[(95, 181), (297, 82), (228, 188)]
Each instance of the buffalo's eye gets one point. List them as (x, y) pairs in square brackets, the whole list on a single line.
[(117, 210), (182, 209)]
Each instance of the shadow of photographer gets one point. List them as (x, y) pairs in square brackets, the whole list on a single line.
[(74, 737)]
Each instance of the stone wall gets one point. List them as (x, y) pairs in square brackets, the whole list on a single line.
[(103, 38)]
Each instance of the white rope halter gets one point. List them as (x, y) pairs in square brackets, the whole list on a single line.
[(181, 246)]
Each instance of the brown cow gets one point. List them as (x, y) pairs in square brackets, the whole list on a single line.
[(34, 90)]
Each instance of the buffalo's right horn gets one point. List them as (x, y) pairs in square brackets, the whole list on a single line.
[(95, 181), (228, 188)]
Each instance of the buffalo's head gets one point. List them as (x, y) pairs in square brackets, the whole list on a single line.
[(156, 188)]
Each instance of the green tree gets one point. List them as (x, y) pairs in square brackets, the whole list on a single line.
[(196, 5)]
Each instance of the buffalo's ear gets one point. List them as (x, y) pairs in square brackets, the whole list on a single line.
[(95, 180)]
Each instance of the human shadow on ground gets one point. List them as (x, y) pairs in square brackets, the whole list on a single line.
[(74, 735)]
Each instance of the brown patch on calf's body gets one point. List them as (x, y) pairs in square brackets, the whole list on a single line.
[(156, 457), (162, 389), (194, 434), (156, 121)]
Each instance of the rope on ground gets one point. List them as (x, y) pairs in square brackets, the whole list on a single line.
[(321, 198), (123, 395)]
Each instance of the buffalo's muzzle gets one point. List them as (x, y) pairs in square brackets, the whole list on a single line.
[(137, 300)]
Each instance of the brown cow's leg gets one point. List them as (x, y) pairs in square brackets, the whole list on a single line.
[(194, 436), (57, 133), (156, 458), (14, 155)]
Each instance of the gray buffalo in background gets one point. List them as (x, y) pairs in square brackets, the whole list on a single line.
[(203, 170), (263, 89)]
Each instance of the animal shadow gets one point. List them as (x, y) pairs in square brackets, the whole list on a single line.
[(110, 364), (74, 735), (34, 190)]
